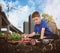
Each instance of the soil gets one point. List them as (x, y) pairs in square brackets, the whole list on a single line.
[(6, 47)]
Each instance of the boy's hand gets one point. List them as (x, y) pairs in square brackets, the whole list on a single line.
[(42, 37), (24, 35), (28, 35)]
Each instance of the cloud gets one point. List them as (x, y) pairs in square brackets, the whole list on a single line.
[(37, 4), (18, 13), (53, 8), (17, 17)]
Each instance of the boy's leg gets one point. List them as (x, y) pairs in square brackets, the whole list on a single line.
[(52, 36), (55, 36)]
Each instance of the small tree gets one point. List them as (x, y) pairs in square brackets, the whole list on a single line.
[(51, 22), (48, 17)]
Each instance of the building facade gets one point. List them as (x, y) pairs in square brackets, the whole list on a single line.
[(31, 25), (28, 27), (5, 24)]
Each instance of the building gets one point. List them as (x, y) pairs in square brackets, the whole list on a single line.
[(5, 25), (14, 29), (31, 25), (26, 27)]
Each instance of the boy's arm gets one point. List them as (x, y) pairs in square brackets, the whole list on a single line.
[(29, 35), (42, 33), (32, 34)]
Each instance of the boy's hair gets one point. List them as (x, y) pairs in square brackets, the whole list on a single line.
[(35, 14)]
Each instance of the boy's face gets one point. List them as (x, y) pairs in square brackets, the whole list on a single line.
[(36, 20)]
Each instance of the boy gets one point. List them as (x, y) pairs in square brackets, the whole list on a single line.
[(41, 27)]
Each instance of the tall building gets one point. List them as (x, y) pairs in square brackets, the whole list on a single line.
[(5, 25), (31, 25), (26, 27)]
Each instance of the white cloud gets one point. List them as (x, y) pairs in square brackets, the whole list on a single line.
[(17, 17), (53, 8), (19, 13), (31, 2)]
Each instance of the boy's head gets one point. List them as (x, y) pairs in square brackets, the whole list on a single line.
[(36, 17)]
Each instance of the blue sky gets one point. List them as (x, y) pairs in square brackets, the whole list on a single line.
[(19, 10), (37, 3)]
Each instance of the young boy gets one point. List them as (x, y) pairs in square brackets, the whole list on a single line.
[(41, 27)]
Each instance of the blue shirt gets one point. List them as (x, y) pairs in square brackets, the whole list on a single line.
[(43, 24)]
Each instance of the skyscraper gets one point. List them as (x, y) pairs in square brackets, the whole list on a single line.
[(26, 27), (31, 25)]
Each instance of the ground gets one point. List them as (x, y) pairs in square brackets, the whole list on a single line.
[(6, 47)]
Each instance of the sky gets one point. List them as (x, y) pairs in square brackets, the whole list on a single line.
[(19, 10)]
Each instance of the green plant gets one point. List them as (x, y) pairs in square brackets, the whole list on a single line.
[(1, 34), (16, 36)]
